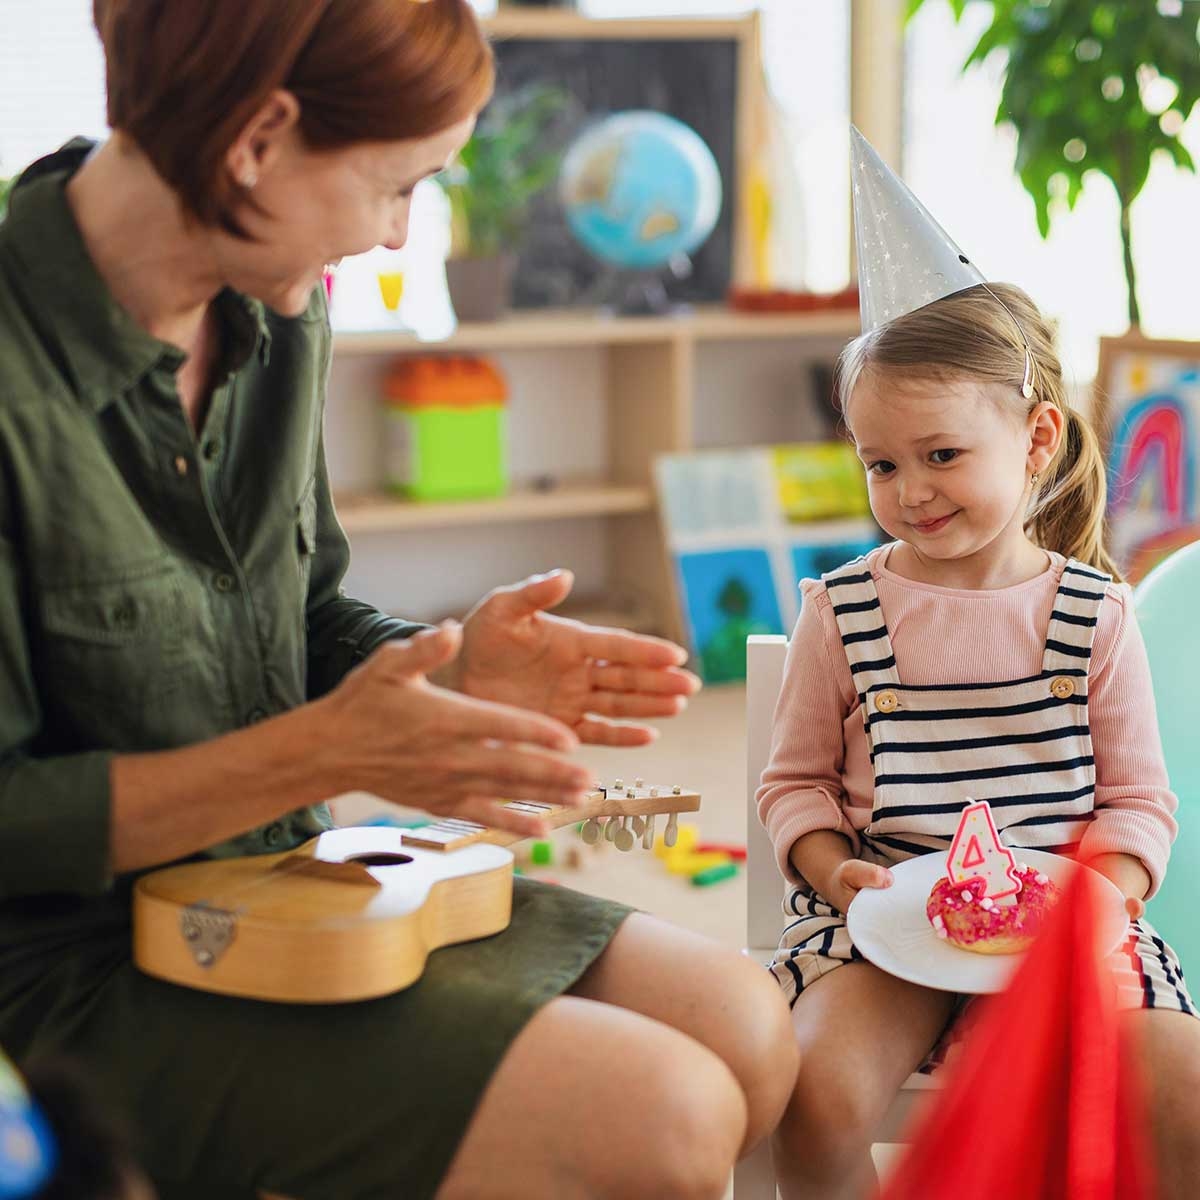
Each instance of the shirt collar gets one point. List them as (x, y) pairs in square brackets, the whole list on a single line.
[(104, 349)]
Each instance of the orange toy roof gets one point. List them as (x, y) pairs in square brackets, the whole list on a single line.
[(452, 380)]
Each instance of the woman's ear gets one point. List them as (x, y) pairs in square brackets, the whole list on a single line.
[(262, 139), (1045, 425)]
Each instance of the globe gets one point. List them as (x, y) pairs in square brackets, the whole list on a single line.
[(639, 189)]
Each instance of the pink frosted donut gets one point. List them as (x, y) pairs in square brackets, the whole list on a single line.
[(962, 914)]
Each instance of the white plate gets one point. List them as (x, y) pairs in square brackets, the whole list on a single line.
[(891, 929)]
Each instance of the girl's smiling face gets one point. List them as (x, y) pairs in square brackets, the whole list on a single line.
[(947, 464)]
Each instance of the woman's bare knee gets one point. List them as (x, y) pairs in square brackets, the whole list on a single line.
[(715, 996), (592, 1100)]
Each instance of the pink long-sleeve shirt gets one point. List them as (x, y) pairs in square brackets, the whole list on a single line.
[(820, 777)]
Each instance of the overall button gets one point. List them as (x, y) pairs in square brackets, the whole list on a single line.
[(224, 582), (887, 702), (181, 465), (1062, 687), (273, 835)]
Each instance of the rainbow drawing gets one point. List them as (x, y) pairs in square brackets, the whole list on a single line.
[(1152, 461)]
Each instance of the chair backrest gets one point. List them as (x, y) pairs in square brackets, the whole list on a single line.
[(765, 656)]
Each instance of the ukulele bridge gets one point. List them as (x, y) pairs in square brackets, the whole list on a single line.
[(207, 931)]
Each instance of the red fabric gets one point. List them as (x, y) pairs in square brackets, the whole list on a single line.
[(1045, 1102)]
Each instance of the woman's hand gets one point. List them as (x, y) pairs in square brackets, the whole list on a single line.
[(516, 653), (386, 729), (850, 877)]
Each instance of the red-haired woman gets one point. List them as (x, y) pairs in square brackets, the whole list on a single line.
[(181, 674)]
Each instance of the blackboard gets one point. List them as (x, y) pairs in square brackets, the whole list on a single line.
[(692, 79)]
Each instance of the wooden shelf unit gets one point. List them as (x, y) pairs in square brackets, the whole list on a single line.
[(650, 368), (374, 512)]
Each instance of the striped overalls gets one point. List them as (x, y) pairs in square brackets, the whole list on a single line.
[(1022, 745)]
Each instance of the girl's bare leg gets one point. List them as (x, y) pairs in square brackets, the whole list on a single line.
[(1168, 1045), (861, 1033)]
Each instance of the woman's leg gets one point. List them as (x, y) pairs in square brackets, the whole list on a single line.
[(861, 1033), (592, 1100), (1168, 1044), (716, 996)]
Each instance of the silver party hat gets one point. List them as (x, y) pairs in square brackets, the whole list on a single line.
[(905, 258)]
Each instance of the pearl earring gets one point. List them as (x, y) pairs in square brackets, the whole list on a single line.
[(249, 180), (1033, 480)]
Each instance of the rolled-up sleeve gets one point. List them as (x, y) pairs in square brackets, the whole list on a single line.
[(801, 789), (54, 811), (1135, 807)]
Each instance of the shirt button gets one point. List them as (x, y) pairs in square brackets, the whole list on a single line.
[(212, 449), (887, 702), (224, 582), (273, 835), (181, 465), (255, 715), (1062, 687)]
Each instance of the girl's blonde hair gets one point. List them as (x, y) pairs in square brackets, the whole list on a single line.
[(969, 335)]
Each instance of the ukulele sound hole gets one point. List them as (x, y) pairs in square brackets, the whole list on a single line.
[(380, 858)]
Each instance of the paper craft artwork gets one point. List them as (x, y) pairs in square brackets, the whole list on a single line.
[(744, 526), (978, 851), (1153, 481)]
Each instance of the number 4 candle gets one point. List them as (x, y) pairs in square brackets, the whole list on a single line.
[(976, 850)]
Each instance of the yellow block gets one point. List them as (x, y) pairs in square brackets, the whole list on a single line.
[(689, 835), (689, 864)]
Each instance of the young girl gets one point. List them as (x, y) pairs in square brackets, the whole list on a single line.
[(987, 653)]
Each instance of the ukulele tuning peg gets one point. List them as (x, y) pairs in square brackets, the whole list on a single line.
[(676, 790), (648, 836), (653, 793), (591, 831), (672, 830), (639, 826), (624, 838), (610, 830), (639, 783), (618, 784)]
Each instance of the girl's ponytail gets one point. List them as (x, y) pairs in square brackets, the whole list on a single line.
[(1068, 516)]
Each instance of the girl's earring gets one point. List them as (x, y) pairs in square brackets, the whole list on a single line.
[(249, 180), (1033, 480)]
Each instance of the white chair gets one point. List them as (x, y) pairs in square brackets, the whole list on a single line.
[(754, 1178)]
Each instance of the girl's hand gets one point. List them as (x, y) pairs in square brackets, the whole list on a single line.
[(851, 876), (386, 729), (1128, 873)]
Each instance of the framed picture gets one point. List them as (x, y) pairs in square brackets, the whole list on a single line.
[(1148, 409), (743, 527)]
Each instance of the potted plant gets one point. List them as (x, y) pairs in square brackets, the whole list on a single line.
[(498, 172), (1092, 87)]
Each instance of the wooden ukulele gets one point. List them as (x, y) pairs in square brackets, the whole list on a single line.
[(354, 913)]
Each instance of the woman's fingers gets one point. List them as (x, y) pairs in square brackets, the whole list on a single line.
[(465, 717), (630, 704), (596, 731), (666, 681), (484, 810), (519, 772)]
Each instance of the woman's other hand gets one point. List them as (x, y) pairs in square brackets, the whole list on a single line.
[(587, 677), (387, 730)]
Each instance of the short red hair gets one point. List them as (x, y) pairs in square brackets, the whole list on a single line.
[(184, 78)]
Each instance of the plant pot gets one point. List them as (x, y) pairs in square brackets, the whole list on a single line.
[(481, 288)]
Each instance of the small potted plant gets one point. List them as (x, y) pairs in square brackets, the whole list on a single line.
[(498, 172)]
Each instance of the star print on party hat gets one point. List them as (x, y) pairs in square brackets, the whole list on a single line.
[(905, 258)]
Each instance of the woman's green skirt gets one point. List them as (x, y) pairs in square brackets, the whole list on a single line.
[(364, 1101)]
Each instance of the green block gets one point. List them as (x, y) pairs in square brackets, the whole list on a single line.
[(541, 854), (711, 875), (447, 452)]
